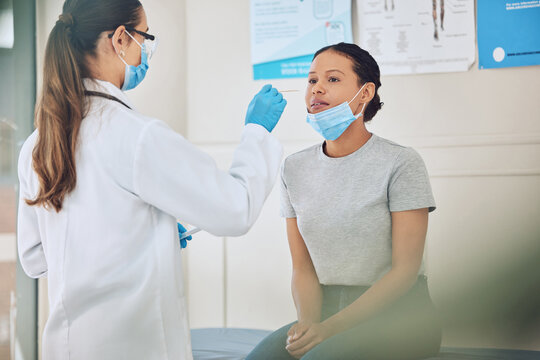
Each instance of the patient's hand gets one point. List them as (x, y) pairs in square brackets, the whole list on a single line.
[(305, 336), (297, 330)]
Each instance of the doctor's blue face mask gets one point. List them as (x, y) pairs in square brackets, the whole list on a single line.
[(134, 75), (331, 123)]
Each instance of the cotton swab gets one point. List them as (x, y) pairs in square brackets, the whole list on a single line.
[(189, 233)]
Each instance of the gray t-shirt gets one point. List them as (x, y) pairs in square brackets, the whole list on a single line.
[(343, 206)]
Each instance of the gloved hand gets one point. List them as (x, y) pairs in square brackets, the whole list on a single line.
[(266, 108), (181, 230)]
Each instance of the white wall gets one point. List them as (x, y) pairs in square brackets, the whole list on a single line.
[(478, 131)]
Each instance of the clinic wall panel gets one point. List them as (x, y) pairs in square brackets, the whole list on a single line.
[(205, 281), (205, 263), (259, 269), (254, 271), (162, 94), (259, 273)]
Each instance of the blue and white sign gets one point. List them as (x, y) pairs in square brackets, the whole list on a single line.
[(286, 33), (508, 33)]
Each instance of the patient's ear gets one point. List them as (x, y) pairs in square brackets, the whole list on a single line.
[(368, 92)]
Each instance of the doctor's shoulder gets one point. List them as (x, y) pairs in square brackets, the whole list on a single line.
[(123, 123), (120, 115)]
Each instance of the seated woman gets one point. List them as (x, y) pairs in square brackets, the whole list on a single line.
[(357, 214)]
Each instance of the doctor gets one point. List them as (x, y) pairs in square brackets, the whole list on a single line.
[(101, 187)]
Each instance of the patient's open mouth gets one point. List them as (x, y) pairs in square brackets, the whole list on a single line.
[(318, 104)]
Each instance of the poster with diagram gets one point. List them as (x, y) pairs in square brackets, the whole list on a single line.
[(418, 36), (508, 33), (286, 33)]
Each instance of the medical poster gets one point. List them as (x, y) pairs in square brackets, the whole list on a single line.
[(418, 36), (286, 33), (508, 33)]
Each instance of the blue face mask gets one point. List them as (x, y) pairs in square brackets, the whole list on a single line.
[(134, 75), (333, 122)]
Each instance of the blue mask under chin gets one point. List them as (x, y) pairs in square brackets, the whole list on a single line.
[(333, 122)]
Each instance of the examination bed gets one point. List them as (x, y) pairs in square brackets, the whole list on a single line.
[(235, 344)]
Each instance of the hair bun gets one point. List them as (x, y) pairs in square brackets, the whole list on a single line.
[(67, 19)]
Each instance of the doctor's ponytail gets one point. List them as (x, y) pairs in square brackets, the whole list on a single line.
[(62, 105)]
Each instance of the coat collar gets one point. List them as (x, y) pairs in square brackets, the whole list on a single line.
[(106, 87)]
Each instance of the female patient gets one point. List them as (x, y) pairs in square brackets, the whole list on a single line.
[(356, 208)]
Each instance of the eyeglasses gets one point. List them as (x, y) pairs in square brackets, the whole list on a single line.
[(150, 41)]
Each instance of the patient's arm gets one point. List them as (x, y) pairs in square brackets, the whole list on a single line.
[(306, 289), (408, 237)]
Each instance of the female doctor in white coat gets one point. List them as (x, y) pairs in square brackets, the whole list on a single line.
[(102, 186)]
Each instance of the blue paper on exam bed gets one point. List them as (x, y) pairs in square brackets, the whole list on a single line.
[(235, 344), (224, 344)]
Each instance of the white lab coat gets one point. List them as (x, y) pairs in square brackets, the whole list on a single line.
[(112, 255)]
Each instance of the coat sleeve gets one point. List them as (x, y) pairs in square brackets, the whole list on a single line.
[(29, 244), (173, 175)]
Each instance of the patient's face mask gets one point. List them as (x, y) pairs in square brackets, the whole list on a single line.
[(134, 75), (333, 122)]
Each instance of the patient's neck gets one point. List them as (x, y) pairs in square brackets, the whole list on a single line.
[(351, 140)]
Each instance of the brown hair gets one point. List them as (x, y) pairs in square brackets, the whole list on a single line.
[(61, 108)]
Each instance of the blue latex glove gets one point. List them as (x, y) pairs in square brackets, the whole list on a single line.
[(181, 230), (266, 108)]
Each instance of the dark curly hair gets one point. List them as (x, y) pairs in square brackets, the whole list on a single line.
[(365, 66)]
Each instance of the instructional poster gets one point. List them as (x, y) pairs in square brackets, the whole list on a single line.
[(418, 36), (508, 33), (286, 33)]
